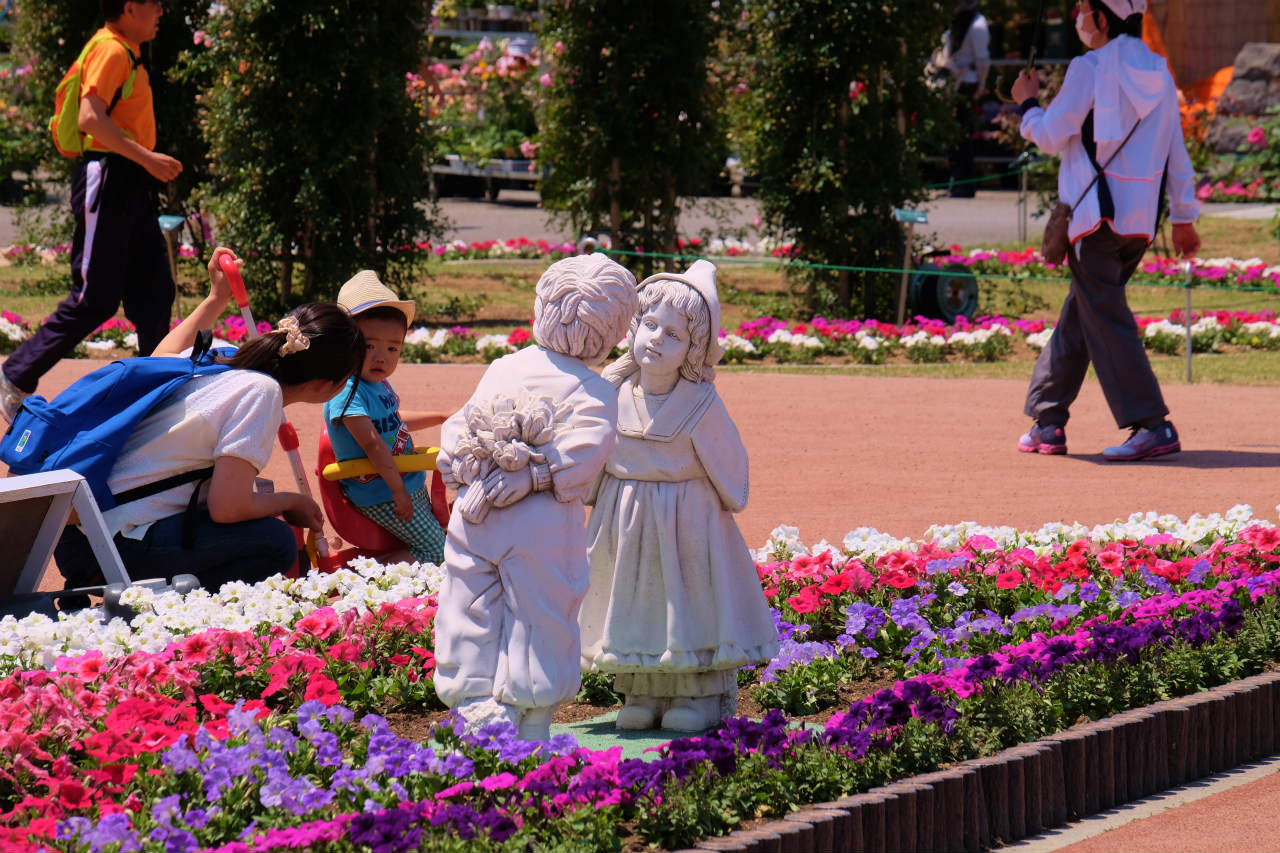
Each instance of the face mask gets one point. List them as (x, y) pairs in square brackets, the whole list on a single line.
[(1086, 36)]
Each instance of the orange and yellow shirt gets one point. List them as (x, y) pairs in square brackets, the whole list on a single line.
[(105, 70)]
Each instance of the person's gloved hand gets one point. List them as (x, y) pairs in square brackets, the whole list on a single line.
[(1186, 242)]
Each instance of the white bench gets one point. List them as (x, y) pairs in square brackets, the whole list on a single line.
[(34, 510)]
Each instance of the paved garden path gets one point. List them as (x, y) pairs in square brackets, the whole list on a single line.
[(830, 453)]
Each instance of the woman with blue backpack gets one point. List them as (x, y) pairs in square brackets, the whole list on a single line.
[(211, 437)]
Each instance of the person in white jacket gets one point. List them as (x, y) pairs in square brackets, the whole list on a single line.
[(1116, 118)]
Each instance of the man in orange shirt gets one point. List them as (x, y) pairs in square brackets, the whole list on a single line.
[(118, 253)]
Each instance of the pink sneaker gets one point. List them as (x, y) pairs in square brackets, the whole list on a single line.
[(1049, 440)]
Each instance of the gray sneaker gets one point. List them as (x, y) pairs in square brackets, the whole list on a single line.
[(1145, 443), (11, 398)]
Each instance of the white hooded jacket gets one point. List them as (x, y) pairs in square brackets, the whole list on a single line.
[(1122, 82)]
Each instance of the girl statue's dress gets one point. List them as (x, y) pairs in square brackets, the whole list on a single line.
[(674, 607)]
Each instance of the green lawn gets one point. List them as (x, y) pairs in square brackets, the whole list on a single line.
[(498, 295)]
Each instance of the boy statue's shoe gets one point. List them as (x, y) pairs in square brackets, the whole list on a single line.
[(11, 398), (1050, 440), (1144, 443)]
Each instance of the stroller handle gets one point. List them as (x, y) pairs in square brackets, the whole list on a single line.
[(422, 459)]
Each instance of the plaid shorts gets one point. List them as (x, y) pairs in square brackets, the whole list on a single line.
[(422, 534)]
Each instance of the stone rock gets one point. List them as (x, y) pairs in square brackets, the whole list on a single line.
[(1249, 97), (1225, 136), (1254, 87), (1258, 61)]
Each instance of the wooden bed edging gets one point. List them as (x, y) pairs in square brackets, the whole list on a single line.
[(1034, 786)]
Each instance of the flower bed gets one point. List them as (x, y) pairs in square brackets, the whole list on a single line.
[(253, 720), (840, 341), (1259, 189), (1026, 263)]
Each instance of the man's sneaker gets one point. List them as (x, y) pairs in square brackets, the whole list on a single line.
[(1144, 443), (11, 398), (1050, 440)]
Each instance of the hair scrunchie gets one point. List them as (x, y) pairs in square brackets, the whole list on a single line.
[(295, 341)]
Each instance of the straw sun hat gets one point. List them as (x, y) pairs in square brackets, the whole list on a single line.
[(364, 291)]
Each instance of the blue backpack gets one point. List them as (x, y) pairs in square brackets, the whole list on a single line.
[(85, 427)]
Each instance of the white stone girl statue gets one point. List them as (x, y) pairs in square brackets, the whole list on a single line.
[(524, 453), (675, 605)]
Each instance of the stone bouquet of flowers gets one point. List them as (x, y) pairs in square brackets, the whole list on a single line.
[(503, 432)]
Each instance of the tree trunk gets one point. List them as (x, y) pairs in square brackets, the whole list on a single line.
[(286, 276), (371, 248), (843, 286), (670, 225), (308, 259), (615, 207)]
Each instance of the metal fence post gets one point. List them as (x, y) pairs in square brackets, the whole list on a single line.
[(1187, 319), (1022, 205)]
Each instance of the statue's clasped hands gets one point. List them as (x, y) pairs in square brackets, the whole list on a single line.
[(503, 488), (499, 456)]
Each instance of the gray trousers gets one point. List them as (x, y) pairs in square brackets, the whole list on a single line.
[(1097, 326)]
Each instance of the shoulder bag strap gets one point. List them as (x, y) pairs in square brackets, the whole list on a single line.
[(1100, 169)]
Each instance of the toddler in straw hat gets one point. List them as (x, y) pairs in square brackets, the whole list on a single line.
[(366, 420)]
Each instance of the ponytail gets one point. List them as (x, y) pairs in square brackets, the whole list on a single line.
[(326, 344)]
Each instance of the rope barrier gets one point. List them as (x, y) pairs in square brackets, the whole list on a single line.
[(891, 271), (977, 180)]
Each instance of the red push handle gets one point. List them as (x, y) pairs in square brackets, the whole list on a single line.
[(288, 437), (234, 278)]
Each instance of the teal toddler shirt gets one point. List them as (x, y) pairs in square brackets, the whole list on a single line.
[(380, 403)]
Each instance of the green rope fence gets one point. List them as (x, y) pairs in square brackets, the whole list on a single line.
[(978, 180), (779, 262)]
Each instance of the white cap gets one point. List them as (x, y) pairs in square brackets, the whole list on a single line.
[(1125, 8), (702, 278)]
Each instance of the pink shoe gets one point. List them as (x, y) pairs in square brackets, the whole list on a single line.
[(1049, 440)]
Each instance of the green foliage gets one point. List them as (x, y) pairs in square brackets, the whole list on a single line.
[(597, 689), (485, 107), (629, 125), (780, 305), (804, 688), (836, 121), (1256, 163), (310, 174), (49, 37), (455, 307), (57, 283), (316, 151)]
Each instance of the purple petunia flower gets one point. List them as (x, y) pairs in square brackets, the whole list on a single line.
[(1126, 597), (113, 829)]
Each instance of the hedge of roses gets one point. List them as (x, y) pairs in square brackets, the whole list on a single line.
[(255, 719)]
